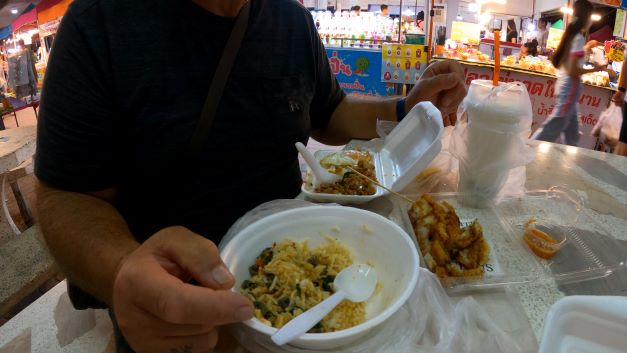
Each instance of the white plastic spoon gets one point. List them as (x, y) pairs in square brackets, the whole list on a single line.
[(321, 174), (355, 283)]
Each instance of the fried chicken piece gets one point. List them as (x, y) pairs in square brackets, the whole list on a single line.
[(441, 272), (484, 252), (475, 255), (422, 235), (455, 270), (430, 262), (448, 249), (453, 229), (468, 258), (469, 235), (439, 255)]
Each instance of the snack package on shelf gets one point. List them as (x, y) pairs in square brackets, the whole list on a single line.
[(600, 78), (532, 63)]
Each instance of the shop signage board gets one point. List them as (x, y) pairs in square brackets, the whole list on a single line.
[(555, 37), (615, 3), (465, 31), (358, 71), (439, 14), (592, 102), (403, 63), (619, 24)]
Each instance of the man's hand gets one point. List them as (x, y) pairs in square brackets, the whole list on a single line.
[(619, 98), (158, 311), (442, 84)]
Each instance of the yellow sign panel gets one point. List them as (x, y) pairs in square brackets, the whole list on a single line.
[(465, 32), (555, 37), (403, 63)]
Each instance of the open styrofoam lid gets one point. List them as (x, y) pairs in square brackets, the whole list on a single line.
[(411, 146)]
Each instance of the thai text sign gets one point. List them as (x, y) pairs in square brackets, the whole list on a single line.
[(592, 102), (357, 71)]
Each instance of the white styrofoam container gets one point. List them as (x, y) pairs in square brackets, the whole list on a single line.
[(586, 324), (371, 238), (406, 152)]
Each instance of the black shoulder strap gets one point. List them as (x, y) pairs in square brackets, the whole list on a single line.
[(219, 81)]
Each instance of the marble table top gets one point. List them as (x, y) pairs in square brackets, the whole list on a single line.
[(600, 178), (16, 146)]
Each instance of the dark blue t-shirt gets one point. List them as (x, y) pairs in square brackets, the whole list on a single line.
[(123, 92)]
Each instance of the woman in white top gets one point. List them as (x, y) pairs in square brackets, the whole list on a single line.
[(569, 60)]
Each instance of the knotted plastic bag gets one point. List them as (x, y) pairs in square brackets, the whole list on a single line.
[(490, 138), (609, 125)]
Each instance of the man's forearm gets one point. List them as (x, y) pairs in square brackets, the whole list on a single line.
[(87, 237), (356, 118)]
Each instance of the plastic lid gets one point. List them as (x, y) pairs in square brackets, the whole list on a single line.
[(411, 146)]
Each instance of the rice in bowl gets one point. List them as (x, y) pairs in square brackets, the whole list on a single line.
[(288, 279)]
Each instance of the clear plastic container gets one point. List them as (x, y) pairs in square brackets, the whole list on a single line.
[(509, 262), (406, 152), (586, 250)]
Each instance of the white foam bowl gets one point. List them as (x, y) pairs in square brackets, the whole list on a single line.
[(371, 238)]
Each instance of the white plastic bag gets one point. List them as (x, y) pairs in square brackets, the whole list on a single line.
[(490, 140), (428, 322), (441, 175), (609, 125)]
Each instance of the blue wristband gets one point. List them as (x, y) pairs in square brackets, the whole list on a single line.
[(400, 110)]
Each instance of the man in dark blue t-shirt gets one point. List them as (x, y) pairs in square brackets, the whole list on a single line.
[(130, 216)]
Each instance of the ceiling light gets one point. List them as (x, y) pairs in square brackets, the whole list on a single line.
[(567, 10), (14, 11), (595, 17), (485, 17)]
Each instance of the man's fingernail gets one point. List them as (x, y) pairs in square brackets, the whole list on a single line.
[(244, 313), (221, 274)]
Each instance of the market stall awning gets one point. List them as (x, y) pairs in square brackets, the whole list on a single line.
[(5, 32), (50, 10), (603, 34), (27, 18), (614, 3)]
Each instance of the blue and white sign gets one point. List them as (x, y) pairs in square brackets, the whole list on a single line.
[(359, 71)]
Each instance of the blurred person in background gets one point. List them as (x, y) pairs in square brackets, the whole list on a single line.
[(569, 59), (619, 100), (385, 12), (512, 32), (543, 33), (420, 20), (529, 49)]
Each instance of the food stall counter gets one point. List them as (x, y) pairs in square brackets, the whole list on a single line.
[(541, 87)]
